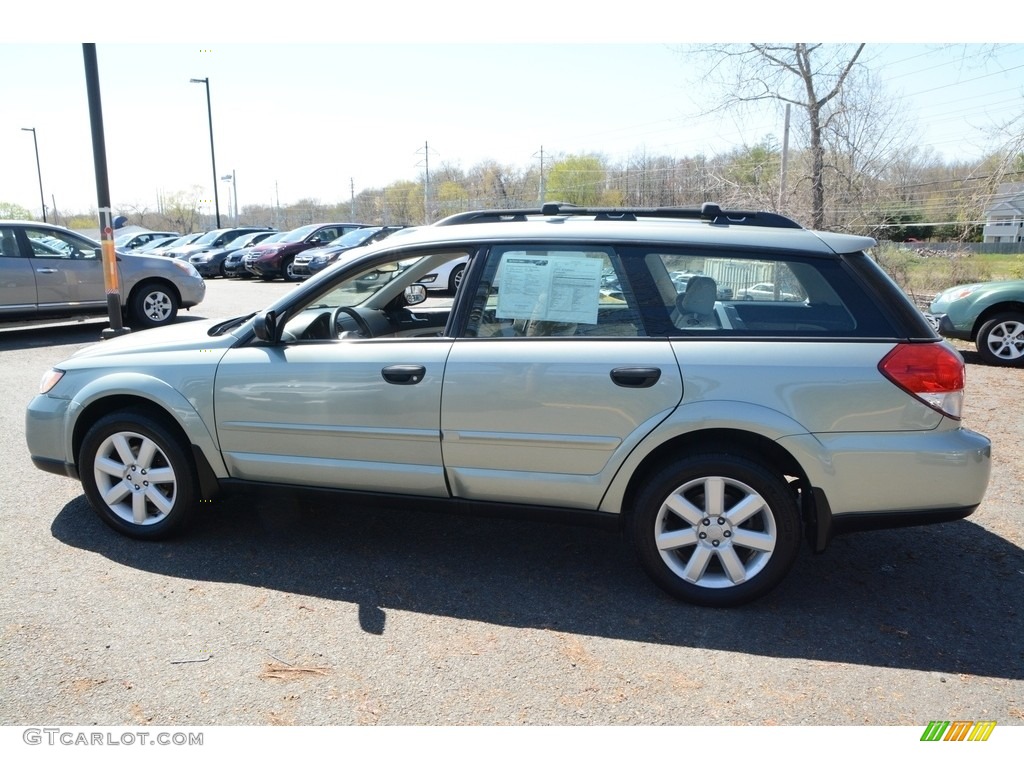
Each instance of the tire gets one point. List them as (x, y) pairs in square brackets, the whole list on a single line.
[(455, 278), (137, 475), (716, 530), (288, 271), (152, 305), (1000, 340)]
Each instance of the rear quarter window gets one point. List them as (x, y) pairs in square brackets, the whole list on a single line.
[(687, 293)]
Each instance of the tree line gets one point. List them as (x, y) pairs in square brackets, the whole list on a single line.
[(853, 166), (917, 196)]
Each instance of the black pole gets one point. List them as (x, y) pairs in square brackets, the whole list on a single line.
[(213, 157), (39, 171), (111, 282)]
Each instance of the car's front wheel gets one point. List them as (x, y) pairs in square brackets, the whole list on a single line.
[(152, 305), (137, 475), (716, 529), (1000, 340), (455, 279)]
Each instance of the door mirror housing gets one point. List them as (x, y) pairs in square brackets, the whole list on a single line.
[(415, 294), (265, 326)]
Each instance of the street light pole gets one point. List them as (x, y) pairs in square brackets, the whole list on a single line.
[(39, 172), (234, 184), (213, 159)]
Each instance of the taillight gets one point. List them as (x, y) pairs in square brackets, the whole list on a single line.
[(932, 372)]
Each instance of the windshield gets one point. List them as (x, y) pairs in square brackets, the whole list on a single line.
[(158, 243), (183, 240), (356, 236), (300, 234), (240, 241), (209, 237)]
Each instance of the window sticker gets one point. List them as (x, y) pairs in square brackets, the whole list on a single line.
[(564, 289)]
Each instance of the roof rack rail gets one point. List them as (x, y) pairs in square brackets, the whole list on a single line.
[(710, 212)]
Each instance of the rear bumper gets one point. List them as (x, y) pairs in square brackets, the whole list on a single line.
[(868, 481)]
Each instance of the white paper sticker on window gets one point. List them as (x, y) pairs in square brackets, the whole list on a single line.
[(563, 289)]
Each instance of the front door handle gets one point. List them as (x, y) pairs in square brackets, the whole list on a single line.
[(46, 271), (404, 374), (636, 378)]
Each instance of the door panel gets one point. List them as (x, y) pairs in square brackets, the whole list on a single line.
[(341, 414), (549, 421), (68, 270), (17, 280)]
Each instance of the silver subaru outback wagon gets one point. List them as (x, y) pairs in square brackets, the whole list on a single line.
[(571, 372)]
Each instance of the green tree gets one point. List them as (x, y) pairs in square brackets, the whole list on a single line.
[(577, 179), (14, 211)]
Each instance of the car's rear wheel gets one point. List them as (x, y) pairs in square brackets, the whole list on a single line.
[(137, 475), (152, 304), (455, 279), (1000, 340), (717, 529)]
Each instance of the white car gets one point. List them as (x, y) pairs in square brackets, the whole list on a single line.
[(765, 292)]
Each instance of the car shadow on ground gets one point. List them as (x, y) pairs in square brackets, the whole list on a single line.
[(940, 598), (83, 332)]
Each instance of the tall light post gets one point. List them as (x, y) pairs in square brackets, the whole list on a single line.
[(213, 159), (39, 172), (234, 186)]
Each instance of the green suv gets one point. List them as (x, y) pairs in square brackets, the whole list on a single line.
[(719, 436), (989, 314)]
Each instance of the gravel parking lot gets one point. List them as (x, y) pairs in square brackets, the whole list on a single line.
[(290, 610)]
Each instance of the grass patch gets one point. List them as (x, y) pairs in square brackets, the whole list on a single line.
[(923, 272)]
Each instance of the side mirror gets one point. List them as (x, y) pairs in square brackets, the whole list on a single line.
[(265, 327), (415, 294)]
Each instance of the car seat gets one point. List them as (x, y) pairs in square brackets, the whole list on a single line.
[(695, 307), (9, 246)]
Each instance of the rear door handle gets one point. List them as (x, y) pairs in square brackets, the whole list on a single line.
[(404, 374), (46, 271), (636, 378)]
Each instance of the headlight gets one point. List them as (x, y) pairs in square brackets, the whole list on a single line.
[(49, 380), (186, 267), (960, 292)]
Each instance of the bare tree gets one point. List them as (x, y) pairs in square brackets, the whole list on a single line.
[(866, 133), (806, 75)]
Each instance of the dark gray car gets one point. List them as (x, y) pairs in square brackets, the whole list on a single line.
[(51, 273)]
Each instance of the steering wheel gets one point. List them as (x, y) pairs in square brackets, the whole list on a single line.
[(364, 327)]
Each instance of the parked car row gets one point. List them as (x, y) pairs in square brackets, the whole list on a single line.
[(233, 251)]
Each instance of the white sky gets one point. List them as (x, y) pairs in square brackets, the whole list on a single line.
[(311, 119)]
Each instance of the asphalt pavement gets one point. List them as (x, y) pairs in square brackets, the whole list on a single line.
[(279, 609)]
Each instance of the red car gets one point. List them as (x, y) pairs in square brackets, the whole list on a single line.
[(272, 260)]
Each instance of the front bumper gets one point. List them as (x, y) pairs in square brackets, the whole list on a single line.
[(45, 434), (945, 327)]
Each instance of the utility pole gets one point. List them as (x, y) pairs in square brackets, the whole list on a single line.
[(426, 182), (352, 193), (540, 185), (785, 163)]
